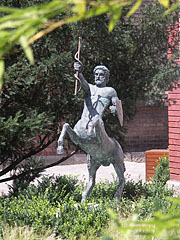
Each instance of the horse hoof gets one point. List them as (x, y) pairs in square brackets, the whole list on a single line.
[(60, 150)]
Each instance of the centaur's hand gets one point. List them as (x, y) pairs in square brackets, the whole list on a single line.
[(113, 109), (78, 67)]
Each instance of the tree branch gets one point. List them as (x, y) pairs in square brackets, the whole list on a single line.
[(33, 152), (40, 168)]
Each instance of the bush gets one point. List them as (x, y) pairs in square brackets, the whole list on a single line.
[(163, 226), (36, 212), (162, 174), (155, 194), (38, 207), (54, 202), (83, 219)]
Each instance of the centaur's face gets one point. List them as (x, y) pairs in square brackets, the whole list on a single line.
[(100, 78)]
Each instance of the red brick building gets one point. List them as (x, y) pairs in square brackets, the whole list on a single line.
[(174, 134), (174, 119), (148, 130)]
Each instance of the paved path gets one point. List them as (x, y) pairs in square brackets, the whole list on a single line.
[(134, 171)]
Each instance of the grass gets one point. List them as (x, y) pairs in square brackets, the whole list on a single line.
[(27, 233), (23, 233)]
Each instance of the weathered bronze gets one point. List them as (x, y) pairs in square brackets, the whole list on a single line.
[(89, 132)]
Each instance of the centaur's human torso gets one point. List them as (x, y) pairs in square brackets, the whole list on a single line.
[(95, 103)]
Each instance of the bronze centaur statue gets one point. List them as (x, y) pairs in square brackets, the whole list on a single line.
[(89, 132)]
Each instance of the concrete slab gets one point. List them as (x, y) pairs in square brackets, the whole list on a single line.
[(134, 171), (175, 186)]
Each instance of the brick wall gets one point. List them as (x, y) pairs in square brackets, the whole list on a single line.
[(148, 130), (174, 134), (174, 117)]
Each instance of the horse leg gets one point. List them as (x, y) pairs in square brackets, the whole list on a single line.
[(60, 149), (92, 168), (72, 134), (120, 169)]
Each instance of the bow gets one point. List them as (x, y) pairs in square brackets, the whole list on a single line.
[(77, 57)]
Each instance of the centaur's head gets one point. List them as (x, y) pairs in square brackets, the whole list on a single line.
[(101, 75)]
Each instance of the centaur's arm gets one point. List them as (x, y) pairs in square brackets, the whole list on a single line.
[(83, 82), (116, 106)]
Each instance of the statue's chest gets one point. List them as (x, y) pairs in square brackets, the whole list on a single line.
[(100, 100)]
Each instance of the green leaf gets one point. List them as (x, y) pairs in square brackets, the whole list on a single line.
[(96, 10), (134, 8), (9, 10), (116, 14), (27, 49), (173, 7), (79, 7), (2, 69), (165, 3), (11, 24), (114, 217)]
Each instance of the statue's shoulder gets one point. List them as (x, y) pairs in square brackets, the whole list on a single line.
[(111, 91), (92, 87)]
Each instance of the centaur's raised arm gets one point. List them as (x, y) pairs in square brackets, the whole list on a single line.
[(78, 75), (82, 80)]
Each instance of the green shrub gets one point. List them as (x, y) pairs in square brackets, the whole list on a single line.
[(162, 226), (56, 188), (103, 190), (54, 202), (38, 206), (162, 173), (81, 219), (36, 212), (134, 190)]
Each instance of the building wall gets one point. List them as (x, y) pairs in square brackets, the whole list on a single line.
[(174, 134), (174, 116), (148, 130)]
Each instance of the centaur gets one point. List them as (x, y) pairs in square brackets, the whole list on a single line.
[(89, 132)]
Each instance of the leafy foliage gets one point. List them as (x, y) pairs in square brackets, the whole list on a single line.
[(156, 214), (24, 23), (156, 195), (54, 202), (161, 226), (135, 53), (61, 196), (34, 100), (37, 98), (162, 174)]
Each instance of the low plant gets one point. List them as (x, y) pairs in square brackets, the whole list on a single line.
[(162, 226), (75, 219), (36, 212), (54, 203), (162, 173), (23, 233)]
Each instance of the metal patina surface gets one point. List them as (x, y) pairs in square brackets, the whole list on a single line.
[(89, 132)]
